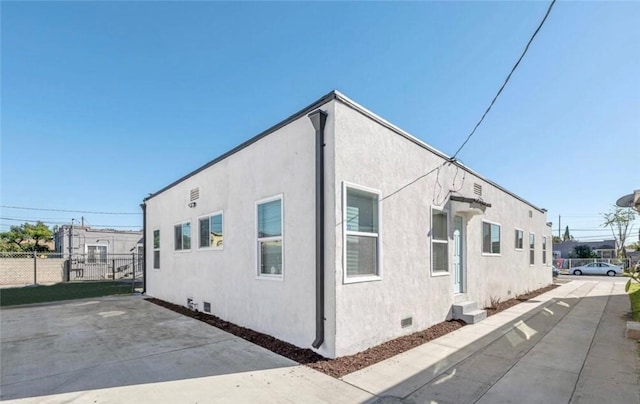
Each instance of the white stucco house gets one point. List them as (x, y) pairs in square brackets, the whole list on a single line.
[(336, 230)]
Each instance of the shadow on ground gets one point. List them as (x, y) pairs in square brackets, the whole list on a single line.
[(114, 341)]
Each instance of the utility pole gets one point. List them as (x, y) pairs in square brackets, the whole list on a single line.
[(559, 227), (71, 239)]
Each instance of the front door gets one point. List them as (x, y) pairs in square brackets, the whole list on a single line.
[(458, 255)]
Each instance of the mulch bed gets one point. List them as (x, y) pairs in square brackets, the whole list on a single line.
[(347, 364), (497, 308)]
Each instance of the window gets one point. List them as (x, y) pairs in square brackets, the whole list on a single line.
[(182, 236), (211, 231), (439, 241), (156, 249), (361, 233), (269, 218), (544, 250), (490, 238), (96, 254), (519, 239), (532, 248)]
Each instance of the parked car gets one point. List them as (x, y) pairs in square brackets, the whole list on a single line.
[(596, 268)]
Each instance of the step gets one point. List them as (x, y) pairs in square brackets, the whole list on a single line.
[(464, 307), (474, 316)]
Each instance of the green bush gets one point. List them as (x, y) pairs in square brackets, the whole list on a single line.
[(634, 297)]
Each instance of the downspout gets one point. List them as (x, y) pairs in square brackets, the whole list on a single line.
[(143, 205), (318, 119)]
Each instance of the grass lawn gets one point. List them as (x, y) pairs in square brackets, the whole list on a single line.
[(61, 291), (634, 296)]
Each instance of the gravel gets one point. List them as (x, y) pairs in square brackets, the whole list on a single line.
[(347, 364)]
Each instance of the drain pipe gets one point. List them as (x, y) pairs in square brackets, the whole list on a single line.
[(318, 119), (143, 205)]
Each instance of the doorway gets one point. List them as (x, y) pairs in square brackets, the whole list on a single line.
[(458, 255)]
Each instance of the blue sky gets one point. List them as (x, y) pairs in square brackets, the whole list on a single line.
[(105, 102)]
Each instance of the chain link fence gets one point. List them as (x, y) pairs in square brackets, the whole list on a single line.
[(28, 268)]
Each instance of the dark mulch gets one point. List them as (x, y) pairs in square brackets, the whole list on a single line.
[(344, 365), (347, 364), (517, 300)]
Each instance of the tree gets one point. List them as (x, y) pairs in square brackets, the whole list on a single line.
[(27, 237), (567, 236), (583, 251), (619, 221), (556, 240)]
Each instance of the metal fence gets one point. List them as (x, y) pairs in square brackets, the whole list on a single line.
[(567, 263), (25, 268), (99, 267)]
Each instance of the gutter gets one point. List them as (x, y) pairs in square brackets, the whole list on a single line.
[(143, 205), (318, 119)]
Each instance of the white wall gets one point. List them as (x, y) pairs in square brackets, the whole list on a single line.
[(281, 163), (368, 313)]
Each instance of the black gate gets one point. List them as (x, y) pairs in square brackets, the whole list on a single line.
[(104, 267)]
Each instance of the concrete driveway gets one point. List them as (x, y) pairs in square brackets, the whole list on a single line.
[(124, 349)]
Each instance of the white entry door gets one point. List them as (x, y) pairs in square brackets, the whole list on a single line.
[(458, 255)]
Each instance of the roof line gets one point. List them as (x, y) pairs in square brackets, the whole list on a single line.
[(336, 95), (323, 100), (371, 115)]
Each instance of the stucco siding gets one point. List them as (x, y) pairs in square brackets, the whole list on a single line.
[(372, 155), (282, 163)]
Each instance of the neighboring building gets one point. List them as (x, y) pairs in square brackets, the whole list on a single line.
[(606, 249), (96, 242), (378, 238)]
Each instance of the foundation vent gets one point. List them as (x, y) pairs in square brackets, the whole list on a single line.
[(477, 189), (195, 194), (207, 307), (406, 322)]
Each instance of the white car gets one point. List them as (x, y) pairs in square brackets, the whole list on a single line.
[(596, 268)]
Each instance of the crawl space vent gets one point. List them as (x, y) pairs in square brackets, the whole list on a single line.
[(406, 322), (195, 194), (207, 307), (477, 189)]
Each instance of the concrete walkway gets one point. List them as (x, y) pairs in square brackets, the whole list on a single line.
[(566, 346)]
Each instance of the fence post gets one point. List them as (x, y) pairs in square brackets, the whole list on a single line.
[(133, 276), (35, 268), (113, 269)]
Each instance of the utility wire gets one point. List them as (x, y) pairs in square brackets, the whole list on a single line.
[(505, 82), (71, 211)]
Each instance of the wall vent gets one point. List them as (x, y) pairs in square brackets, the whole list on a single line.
[(477, 189), (530, 213), (207, 307), (406, 322), (195, 194)]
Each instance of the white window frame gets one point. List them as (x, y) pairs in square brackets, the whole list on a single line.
[(446, 212), (209, 216), (258, 240), (154, 249), (98, 260), (532, 250), (367, 278), (544, 250), (174, 236), (490, 254), (516, 239)]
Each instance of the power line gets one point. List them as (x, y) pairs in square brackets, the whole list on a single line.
[(71, 211), (58, 222), (505, 81)]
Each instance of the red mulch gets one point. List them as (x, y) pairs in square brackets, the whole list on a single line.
[(347, 364), (517, 300)]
